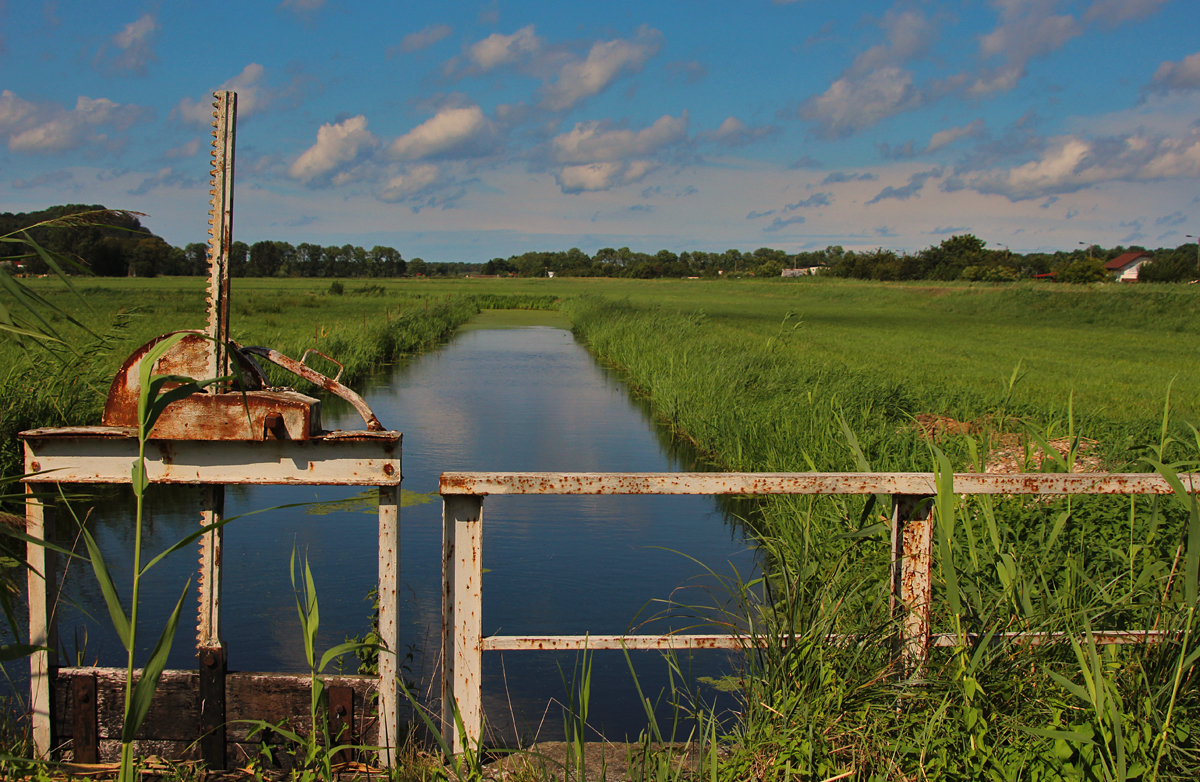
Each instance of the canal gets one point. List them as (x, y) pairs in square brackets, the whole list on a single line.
[(512, 391)]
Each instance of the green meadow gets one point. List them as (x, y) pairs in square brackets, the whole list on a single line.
[(824, 374)]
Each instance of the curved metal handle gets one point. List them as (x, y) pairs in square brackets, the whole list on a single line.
[(330, 359)]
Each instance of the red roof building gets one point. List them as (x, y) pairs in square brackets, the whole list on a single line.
[(1125, 267)]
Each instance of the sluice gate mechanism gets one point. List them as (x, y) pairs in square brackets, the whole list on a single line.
[(238, 431)]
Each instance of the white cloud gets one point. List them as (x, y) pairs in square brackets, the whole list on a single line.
[(854, 103), (415, 42), (134, 47), (50, 128), (735, 133), (1181, 76), (948, 136), (1026, 29), (452, 132), (188, 149), (1113, 12), (607, 60), (337, 147), (497, 49), (417, 180), (254, 96), (302, 7), (602, 176), (1071, 163), (875, 86), (594, 142)]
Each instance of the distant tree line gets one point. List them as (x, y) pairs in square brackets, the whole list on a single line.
[(130, 249)]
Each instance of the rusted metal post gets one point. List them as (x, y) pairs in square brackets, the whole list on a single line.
[(912, 589), (389, 623), (462, 619), (341, 720), (212, 510), (85, 741), (212, 707), (41, 588)]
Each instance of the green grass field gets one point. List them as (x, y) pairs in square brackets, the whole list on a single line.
[(780, 375)]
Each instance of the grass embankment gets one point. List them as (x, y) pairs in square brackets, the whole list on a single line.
[(764, 379), (366, 327)]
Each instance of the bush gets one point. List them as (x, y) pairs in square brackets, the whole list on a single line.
[(1081, 271), (336, 288)]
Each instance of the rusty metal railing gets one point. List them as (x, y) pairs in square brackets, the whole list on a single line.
[(463, 642)]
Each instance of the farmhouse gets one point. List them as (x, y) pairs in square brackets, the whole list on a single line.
[(1125, 267)]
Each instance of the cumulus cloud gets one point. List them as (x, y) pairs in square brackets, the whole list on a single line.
[(816, 199), (691, 71), (187, 149), (1179, 76), (944, 138), (51, 128), (414, 182), (838, 177), (50, 179), (853, 103), (132, 49), (1071, 163), (338, 147), (735, 133), (1113, 12), (899, 152), (1026, 29), (254, 96), (498, 49), (596, 142), (602, 176), (452, 132), (779, 223), (415, 42), (915, 183), (754, 215), (804, 162), (1175, 218), (579, 79), (875, 86)]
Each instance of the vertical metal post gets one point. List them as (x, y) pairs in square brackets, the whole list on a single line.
[(389, 623), (462, 618), (85, 742), (40, 585), (341, 720), (912, 589), (210, 648)]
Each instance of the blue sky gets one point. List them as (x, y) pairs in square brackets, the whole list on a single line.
[(464, 131)]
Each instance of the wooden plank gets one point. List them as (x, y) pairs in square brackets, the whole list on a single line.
[(40, 588), (462, 619), (389, 623), (372, 459), (487, 483)]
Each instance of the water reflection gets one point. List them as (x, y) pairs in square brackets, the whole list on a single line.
[(513, 400)]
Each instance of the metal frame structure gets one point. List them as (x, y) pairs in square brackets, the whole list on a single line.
[(463, 642), (102, 455)]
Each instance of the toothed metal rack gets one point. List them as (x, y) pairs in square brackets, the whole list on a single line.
[(256, 435)]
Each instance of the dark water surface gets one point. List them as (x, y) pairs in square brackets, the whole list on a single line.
[(496, 399)]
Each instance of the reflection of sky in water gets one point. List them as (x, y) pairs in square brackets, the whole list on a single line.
[(503, 400)]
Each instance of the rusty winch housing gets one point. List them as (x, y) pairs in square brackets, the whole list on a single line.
[(255, 411)]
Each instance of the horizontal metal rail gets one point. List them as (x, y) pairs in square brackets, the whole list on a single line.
[(921, 483), (912, 557)]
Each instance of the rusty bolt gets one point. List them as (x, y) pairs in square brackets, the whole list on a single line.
[(209, 659), (35, 466), (340, 710), (388, 469)]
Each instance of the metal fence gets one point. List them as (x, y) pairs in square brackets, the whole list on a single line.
[(463, 642)]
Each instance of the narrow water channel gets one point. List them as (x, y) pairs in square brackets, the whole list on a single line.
[(512, 392)]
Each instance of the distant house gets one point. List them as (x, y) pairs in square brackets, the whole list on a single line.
[(803, 271), (1125, 267)]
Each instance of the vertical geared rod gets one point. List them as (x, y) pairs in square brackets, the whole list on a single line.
[(220, 232)]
